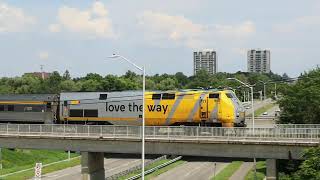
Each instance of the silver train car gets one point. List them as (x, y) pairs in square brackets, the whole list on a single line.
[(29, 108)]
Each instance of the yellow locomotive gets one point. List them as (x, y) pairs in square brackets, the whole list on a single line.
[(162, 108)]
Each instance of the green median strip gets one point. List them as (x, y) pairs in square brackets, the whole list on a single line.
[(261, 171), (263, 109), (228, 171)]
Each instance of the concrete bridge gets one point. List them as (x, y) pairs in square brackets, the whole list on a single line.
[(93, 141)]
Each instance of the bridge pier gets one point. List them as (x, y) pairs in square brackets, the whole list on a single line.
[(272, 171), (92, 166)]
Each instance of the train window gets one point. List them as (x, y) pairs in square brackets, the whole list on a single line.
[(48, 105), (156, 96), (214, 96), (76, 113), (103, 96), (27, 109), (65, 103), (91, 113), (168, 96), (10, 107), (229, 95), (1, 107)]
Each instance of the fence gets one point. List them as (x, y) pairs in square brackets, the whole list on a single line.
[(297, 126), (163, 132)]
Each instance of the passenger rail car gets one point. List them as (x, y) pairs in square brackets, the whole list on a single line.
[(29, 108)]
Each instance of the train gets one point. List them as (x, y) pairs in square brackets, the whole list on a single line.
[(162, 108)]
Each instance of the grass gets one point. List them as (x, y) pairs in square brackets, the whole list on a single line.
[(261, 171), (228, 171), (52, 168), (156, 173), (18, 159)]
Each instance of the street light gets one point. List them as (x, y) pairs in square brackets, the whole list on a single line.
[(142, 69), (251, 88), (264, 89)]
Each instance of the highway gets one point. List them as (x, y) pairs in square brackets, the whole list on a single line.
[(112, 166), (257, 105), (266, 121), (194, 169)]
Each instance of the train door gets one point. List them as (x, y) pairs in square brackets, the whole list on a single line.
[(204, 109), (65, 110)]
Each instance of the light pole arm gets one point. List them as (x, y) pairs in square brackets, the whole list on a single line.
[(136, 66), (240, 82)]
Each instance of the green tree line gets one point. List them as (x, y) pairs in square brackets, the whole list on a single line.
[(56, 83)]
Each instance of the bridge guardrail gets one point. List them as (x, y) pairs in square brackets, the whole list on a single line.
[(163, 132)]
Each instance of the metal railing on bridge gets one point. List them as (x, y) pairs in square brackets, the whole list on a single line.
[(162, 132), (297, 126)]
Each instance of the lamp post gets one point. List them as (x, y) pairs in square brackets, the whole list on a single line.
[(251, 89), (142, 69), (264, 89)]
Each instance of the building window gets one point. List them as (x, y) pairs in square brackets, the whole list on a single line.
[(1, 107)]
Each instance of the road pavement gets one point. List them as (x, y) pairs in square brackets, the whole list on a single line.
[(200, 170), (112, 166), (257, 105)]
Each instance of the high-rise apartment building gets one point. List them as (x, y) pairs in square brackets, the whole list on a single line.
[(259, 61), (206, 59)]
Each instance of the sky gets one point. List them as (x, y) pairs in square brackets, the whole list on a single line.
[(80, 35)]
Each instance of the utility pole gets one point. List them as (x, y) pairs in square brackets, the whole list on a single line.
[(275, 90), (42, 71)]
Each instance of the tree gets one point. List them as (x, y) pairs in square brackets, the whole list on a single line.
[(285, 77), (167, 84), (301, 101), (66, 75), (52, 84), (181, 78), (91, 85), (200, 80), (69, 86), (310, 168)]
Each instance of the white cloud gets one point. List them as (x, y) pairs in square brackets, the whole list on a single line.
[(309, 20), (54, 28), (43, 55), (297, 24), (178, 29), (240, 51), (13, 19), (236, 31), (93, 22)]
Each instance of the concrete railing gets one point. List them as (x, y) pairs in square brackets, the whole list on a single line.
[(161, 132)]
